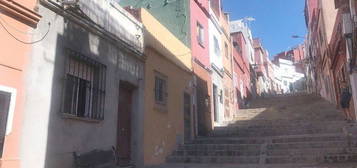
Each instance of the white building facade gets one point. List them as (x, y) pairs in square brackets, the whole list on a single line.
[(216, 58)]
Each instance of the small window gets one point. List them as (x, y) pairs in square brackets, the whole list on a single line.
[(84, 87), (160, 89), (221, 96), (200, 34), (216, 46), (226, 50)]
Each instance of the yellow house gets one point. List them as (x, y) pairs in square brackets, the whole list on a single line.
[(168, 91)]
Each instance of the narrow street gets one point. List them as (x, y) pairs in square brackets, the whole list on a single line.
[(178, 83), (280, 132)]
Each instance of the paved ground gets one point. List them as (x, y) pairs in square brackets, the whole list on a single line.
[(292, 124), (306, 107)]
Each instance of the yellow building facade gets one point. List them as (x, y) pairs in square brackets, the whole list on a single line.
[(168, 91)]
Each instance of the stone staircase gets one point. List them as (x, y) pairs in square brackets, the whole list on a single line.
[(303, 147), (293, 142)]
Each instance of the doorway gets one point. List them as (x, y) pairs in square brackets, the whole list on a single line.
[(187, 117), (5, 99), (124, 131)]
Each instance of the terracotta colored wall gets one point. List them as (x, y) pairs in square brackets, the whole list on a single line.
[(13, 61), (201, 53)]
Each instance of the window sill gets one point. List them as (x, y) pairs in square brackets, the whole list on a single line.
[(160, 108), (72, 117), (201, 44)]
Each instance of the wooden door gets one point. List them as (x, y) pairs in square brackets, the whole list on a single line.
[(124, 124)]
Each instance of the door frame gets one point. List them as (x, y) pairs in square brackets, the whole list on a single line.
[(11, 112)]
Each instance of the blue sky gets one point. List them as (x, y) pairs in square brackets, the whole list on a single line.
[(276, 21)]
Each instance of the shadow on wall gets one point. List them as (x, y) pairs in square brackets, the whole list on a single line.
[(203, 107), (65, 134)]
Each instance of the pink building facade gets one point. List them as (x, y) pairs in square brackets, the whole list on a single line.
[(241, 69), (201, 65)]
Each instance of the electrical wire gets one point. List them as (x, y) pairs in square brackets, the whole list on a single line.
[(14, 28), (25, 42)]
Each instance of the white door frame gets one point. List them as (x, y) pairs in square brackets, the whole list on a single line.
[(11, 112)]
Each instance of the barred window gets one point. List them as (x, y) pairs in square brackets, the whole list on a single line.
[(160, 89), (200, 34), (84, 94)]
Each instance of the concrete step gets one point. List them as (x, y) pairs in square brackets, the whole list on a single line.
[(216, 153), (311, 151), (273, 132), (311, 159), (223, 140), (213, 160), (309, 138), (212, 147), (344, 165), (303, 145), (306, 159), (259, 124)]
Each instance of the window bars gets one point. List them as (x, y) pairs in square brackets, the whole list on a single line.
[(85, 79)]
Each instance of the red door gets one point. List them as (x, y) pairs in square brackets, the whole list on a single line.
[(124, 124)]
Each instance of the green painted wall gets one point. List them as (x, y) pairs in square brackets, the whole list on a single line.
[(173, 14)]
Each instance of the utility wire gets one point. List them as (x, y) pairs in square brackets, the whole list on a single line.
[(25, 42), (14, 28)]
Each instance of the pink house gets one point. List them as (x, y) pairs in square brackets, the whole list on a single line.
[(241, 69), (200, 52)]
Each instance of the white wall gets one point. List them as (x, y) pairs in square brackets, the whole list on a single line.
[(49, 139), (288, 74), (240, 26), (215, 32), (216, 62)]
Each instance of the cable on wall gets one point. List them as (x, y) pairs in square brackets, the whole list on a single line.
[(21, 41)]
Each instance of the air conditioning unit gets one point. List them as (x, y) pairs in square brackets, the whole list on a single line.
[(69, 2), (347, 25)]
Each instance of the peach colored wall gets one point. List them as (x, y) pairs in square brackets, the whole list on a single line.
[(164, 125), (162, 128), (13, 61)]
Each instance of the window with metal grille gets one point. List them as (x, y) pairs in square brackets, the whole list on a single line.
[(84, 94), (160, 89)]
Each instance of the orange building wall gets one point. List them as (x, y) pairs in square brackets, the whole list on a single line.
[(13, 60)]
